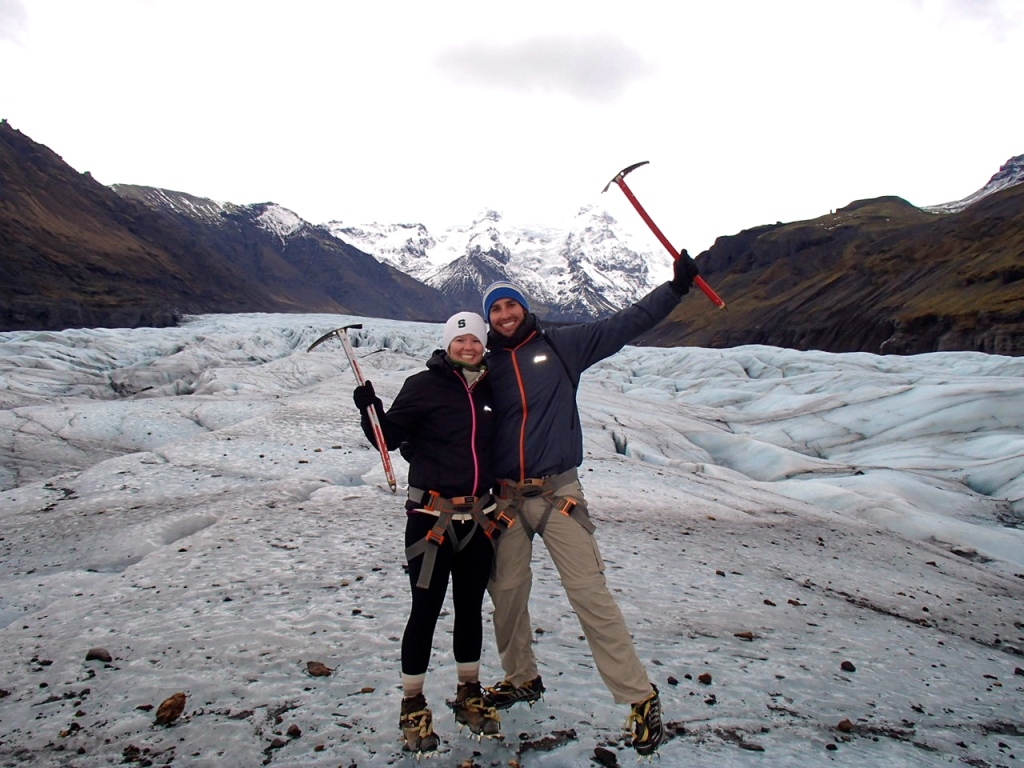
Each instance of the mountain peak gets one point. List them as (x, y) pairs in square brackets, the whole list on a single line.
[(488, 214), (1009, 174), (584, 269)]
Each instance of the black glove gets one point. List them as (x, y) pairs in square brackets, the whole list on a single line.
[(683, 272), (364, 396)]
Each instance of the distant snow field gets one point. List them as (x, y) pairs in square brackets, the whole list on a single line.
[(821, 556)]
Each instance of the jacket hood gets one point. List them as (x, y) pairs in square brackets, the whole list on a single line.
[(439, 361)]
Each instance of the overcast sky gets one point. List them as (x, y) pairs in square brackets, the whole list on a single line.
[(749, 112)]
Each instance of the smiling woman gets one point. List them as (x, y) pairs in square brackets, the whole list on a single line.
[(442, 419)]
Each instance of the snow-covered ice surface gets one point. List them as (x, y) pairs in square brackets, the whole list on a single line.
[(830, 537)]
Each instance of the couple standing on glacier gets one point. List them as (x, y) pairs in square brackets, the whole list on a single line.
[(493, 444)]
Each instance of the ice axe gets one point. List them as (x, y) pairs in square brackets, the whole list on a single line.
[(378, 433), (619, 179)]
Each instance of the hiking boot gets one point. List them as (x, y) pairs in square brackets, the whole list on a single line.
[(470, 709), (504, 694), (644, 722), (417, 727)]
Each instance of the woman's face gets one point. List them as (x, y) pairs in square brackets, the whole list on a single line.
[(466, 349)]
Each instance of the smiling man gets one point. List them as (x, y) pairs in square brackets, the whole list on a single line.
[(538, 446)]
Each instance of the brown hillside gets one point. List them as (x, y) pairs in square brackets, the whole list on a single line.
[(74, 253), (878, 276)]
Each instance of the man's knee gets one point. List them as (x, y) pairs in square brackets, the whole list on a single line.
[(502, 583), (591, 585)]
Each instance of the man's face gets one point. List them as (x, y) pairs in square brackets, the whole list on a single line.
[(506, 316)]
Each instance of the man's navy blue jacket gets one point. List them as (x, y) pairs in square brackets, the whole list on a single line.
[(533, 378)]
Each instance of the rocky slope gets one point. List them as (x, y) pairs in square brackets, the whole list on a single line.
[(288, 255), (78, 253), (876, 276)]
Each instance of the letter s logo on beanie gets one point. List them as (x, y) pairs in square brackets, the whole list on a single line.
[(461, 324)]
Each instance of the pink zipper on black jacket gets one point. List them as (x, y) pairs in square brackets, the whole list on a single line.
[(449, 424)]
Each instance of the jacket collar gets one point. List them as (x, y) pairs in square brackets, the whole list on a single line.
[(497, 341)]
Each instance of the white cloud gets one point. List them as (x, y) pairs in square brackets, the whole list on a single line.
[(749, 112), (589, 69), (12, 19), (1000, 18)]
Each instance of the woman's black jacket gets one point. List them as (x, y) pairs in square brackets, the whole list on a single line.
[(449, 424)]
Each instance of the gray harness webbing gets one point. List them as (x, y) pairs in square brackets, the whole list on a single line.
[(571, 506), (473, 508)]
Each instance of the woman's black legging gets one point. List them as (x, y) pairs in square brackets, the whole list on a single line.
[(469, 568)]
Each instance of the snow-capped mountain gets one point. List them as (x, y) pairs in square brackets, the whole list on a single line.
[(289, 261), (590, 267), (408, 247), (585, 269), (270, 217), (1010, 174)]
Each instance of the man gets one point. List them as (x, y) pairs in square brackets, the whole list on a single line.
[(538, 446)]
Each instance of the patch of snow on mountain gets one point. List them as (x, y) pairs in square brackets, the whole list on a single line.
[(1010, 174), (199, 208), (407, 247), (280, 221)]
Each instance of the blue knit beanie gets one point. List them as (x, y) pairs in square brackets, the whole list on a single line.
[(503, 290)]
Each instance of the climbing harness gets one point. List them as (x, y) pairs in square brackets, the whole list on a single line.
[(512, 495), (447, 511)]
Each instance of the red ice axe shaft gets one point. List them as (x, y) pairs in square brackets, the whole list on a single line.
[(620, 180), (378, 433)]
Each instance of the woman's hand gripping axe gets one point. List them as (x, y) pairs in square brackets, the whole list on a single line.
[(378, 433)]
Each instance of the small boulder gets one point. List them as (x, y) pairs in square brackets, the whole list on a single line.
[(317, 669), (171, 709)]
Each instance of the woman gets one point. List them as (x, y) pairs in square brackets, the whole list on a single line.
[(442, 420)]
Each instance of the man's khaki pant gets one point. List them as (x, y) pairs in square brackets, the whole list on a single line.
[(575, 554)]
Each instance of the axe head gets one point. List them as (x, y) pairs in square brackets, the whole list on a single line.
[(332, 334), (619, 176)]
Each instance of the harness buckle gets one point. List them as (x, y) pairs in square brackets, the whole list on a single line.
[(463, 504), (493, 531), (435, 538), (431, 504), (503, 518), (566, 506), (506, 490), (531, 487)]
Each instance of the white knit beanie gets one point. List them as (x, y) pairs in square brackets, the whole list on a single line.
[(461, 324)]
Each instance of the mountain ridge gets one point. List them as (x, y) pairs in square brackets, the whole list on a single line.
[(876, 275), (586, 269)]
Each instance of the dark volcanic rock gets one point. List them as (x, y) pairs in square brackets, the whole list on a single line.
[(77, 253), (876, 276)]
